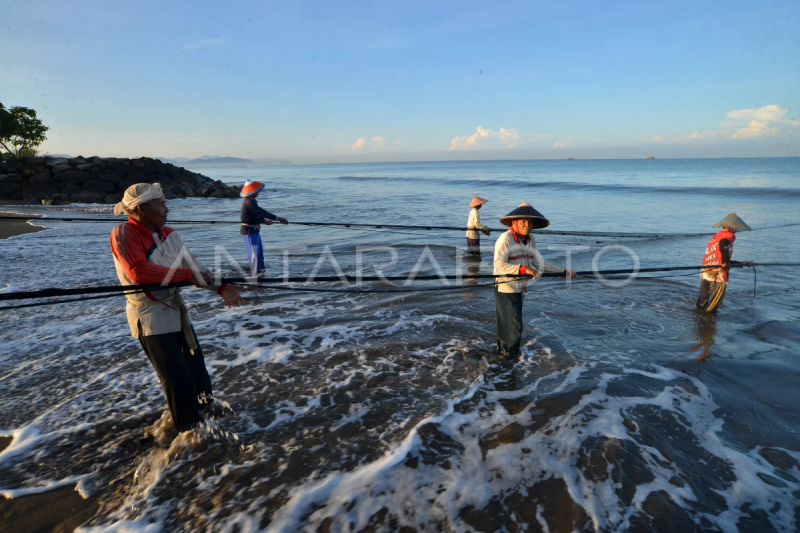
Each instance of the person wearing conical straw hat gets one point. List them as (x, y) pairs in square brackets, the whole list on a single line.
[(252, 216), (515, 254), (718, 254), (474, 225)]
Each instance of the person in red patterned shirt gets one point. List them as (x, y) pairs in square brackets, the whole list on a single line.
[(146, 251)]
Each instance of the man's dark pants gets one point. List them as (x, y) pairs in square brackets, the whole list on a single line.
[(183, 375), (508, 306), (711, 295)]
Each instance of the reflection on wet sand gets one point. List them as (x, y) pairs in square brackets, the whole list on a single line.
[(706, 328)]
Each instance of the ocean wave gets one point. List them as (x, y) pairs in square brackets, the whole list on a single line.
[(614, 188)]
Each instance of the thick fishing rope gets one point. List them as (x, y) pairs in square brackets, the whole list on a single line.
[(270, 284), (395, 226)]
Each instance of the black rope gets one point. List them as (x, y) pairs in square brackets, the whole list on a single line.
[(57, 292), (66, 301), (271, 284), (377, 226)]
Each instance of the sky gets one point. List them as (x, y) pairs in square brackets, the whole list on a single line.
[(407, 80)]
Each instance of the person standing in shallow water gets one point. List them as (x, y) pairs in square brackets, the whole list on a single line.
[(718, 254), (473, 224), (148, 252), (515, 253), (252, 216)]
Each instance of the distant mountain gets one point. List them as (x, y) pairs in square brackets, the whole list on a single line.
[(223, 161)]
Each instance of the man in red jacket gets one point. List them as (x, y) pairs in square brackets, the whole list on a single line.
[(148, 252), (718, 255)]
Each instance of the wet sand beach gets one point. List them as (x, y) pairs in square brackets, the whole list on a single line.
[(58, 510), (390, 411), (10, 228), (61, 509)]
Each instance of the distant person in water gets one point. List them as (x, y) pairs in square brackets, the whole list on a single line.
[(148, 252), (252, 217), (515, 253), (718, 254), (473, 224)]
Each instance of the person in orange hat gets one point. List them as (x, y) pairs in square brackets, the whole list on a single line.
[(252, 216), (473, 224)]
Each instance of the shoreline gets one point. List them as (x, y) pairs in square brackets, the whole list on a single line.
[(60, 509), (12, 228)]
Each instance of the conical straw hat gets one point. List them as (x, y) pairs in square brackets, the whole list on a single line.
[(525, 210), (250, 188), (732, 221), (476, 201)]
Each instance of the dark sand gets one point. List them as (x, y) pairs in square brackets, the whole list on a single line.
[(9, 228), (61, 509)]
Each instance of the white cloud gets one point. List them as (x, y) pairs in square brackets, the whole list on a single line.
[(756, 128), (766, 121), (373, 144), (559, 144), (760, 121), (504, 137), (657, 138), (203, 43)]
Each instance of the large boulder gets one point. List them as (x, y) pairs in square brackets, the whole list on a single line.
[(147, 165), (39, 178), (173, 171), (75, 161), (91, 197), (55, 161), (70, 188), (120, 166), (77, 176), (124, 184), (12, 191), (11, 178), (111, 198), (98, 186), (111, 177), (40, 189), (136, 175), (63, 167), (87, 167), (165, 182), (177, 190), (160, 178)]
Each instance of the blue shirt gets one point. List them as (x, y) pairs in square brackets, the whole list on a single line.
[(253, 215)]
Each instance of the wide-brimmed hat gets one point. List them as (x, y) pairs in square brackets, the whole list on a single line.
[(525, 210), (732, 221), (476, 201), (250, 188)]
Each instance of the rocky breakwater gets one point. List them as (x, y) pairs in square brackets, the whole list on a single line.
[(94, 180)]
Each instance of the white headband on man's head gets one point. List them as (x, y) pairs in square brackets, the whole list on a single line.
[(138, 194)]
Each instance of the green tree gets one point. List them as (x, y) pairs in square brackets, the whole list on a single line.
[(20, 130)]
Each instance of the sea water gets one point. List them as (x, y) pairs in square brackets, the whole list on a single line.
[(390, 411)]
